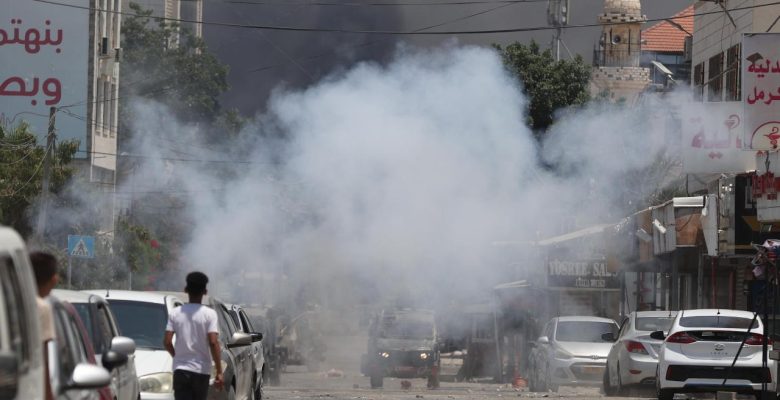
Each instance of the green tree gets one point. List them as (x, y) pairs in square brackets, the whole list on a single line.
[(21, 172), (167, 63), (550, 85)]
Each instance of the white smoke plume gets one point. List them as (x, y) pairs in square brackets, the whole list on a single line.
[(391, 181)]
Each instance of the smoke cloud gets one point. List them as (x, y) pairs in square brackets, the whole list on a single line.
[(390, 181)]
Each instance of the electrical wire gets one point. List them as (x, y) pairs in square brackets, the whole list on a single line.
[(34, 174), (179, 159), (378, 4), (373, 42), (391, 32)]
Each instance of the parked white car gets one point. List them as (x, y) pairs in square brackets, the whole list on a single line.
[(103, 331), (571, 351), (697, 354), (142, 316), (21, 356), (633, 358), (244, 324)]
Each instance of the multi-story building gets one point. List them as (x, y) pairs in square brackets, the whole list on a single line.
[(185, 10), (668, 43), (716, 44), (103, 109)]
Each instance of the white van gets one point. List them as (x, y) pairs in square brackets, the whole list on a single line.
[(21, 356)]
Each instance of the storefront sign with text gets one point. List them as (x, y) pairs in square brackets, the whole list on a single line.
[(591, 274)]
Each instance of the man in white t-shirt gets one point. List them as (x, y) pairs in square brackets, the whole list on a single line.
[(196, 330)]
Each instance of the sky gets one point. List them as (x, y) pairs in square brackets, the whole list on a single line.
[(263, 61)]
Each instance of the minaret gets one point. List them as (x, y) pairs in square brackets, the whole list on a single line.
[(616, 57)]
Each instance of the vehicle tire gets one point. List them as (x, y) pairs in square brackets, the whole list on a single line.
[(767, 396), (609, 390), (275, 378), (258, 394), (377, 381), (620, 390), (665, 394)]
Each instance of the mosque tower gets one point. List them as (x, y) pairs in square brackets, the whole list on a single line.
[(616, 70)]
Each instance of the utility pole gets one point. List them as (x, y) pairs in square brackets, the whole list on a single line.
[(47, 161), (557, 17)]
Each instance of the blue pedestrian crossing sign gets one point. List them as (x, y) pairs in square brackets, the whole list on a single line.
[(81, 246)]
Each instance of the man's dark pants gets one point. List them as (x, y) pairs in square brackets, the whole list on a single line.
[(189, 385)]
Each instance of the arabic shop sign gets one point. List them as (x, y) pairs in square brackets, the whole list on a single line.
[(44, 56), (589, 274), (712, 139), (761, 90)]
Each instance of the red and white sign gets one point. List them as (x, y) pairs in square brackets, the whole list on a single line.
[(44, 56), (712, 139), (761, 90)]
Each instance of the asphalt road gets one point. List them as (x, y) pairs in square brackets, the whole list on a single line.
[(340, 378)]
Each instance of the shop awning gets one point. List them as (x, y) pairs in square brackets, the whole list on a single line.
[(593, 230)]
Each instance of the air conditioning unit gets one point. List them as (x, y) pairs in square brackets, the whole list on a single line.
[(118, 54), (688, 49)]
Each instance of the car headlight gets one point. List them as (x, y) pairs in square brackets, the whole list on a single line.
[(384, 354), (562, 355), (424, 356), (156, 383)]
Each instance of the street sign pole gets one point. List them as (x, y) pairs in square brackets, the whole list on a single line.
[(70, 270)]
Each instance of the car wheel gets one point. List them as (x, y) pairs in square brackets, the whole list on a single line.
[(665, 394), (619, 388), (609, 390), (377, 381)]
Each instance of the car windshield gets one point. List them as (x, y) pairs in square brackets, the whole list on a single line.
[(141, 321), (717, 321), (407, 329), (652, 324), (83, 310), (584, 331)]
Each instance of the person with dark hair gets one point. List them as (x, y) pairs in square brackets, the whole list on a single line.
[(196, 330), (44, 267)]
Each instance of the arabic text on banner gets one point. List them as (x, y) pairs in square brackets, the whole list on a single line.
[(761, 91), (712, 139)]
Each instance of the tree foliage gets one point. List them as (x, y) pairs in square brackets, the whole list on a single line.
[(21, 173), (550, 85), (167, 63)]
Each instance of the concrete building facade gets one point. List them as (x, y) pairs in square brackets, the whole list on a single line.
[(715, 74), (187, 10)]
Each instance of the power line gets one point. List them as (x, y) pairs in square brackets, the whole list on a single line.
[(384, 4), (390, 32), (373, 42)]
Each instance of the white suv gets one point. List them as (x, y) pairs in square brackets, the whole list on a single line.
[(700, 348), (142, 316)]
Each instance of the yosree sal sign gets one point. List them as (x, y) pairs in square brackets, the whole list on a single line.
[(587, 274), (44, 58)]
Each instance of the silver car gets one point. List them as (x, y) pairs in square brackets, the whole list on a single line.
[(570, 352), (634, 355)]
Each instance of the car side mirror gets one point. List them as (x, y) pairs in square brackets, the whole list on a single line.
[(123, 345), (543, 340), (239, 339), (658, 335), (88, 376), (608, 337), (113, 359), (256, 336)]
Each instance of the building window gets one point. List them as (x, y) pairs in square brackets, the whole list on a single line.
[(715, 78), (733, 71), (107, 108), (99, 103), (115, 111), (698, 82)]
